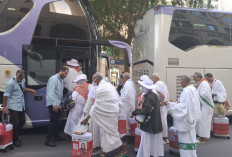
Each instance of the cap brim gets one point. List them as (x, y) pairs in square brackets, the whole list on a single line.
[(147, 86)]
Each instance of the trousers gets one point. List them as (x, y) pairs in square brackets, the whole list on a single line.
[(17, 119), (53, 128)]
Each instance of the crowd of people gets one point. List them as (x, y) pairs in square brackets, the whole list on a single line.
[(99, 104)]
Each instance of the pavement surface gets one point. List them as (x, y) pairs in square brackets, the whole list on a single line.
[(33, 146)]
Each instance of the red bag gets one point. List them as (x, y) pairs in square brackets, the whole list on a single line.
[(2, 130)]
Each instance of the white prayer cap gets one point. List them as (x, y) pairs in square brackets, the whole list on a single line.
[(147, 83), (143, 77), (73, 62), (80, 77)]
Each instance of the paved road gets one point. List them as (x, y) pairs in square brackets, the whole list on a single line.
[(33, 140)]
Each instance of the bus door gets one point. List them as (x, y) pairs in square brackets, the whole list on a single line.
[(40, 63)]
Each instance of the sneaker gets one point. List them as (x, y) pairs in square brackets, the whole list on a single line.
[(50, 144)]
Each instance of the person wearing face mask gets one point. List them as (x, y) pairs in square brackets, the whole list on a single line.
[(79, 95), (105, 112), (151, 139), (93, 126), (54, 99), (141, 93), (207, 107), (13, 100)]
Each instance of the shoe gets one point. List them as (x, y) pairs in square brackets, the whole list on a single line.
[(59, 138), (17, 143), (50, 144)]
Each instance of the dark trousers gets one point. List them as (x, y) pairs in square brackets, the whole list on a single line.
[(53, 127), (17, 119)]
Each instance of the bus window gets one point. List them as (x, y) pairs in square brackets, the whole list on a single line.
[(13, 11), (62, 19), (195, 28), (42, 63)]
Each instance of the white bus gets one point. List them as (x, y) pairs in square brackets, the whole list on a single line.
[(174, 41)]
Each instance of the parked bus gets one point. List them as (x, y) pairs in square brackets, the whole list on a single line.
[(174, 41), (40, 36)]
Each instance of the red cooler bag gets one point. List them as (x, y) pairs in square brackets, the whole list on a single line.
[(6, 135), (138, 133), (221, 126), (173, 140), (122, 125), (133, 125), (82, 145)]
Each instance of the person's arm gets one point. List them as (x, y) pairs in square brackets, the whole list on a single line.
[(88, 105), (7, 93), (147, 106), (29, 90), (4, 111), (85, 121)]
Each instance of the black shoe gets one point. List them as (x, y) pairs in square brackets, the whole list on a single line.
[(57, 139), (17, 143), (50, 144)]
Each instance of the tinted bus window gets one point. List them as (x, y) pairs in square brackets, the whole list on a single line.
[(12, 11), (42, 63), (62, 19), (195, 28)]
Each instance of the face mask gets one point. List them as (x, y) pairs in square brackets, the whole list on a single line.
[(140, 88), (94, 84)]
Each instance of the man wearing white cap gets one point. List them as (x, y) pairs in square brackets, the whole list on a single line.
[(162, 89), (79, 95), (186, 113), (151, 139), (74, 71)]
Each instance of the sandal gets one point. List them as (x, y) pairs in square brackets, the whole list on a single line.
[(122, 155), (99, 154)]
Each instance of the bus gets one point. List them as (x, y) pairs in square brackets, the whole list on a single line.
[(175, 41), (39, 36)]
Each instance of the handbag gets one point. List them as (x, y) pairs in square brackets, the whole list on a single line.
[(143, 119), (69, 102)]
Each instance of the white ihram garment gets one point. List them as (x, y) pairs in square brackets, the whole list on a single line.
[(68, 81), (186, 114), (105, 112), (219, 91), (163, 89), (152, 142), (93, 127), (127, 105), (207, 108), (75, 114)]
